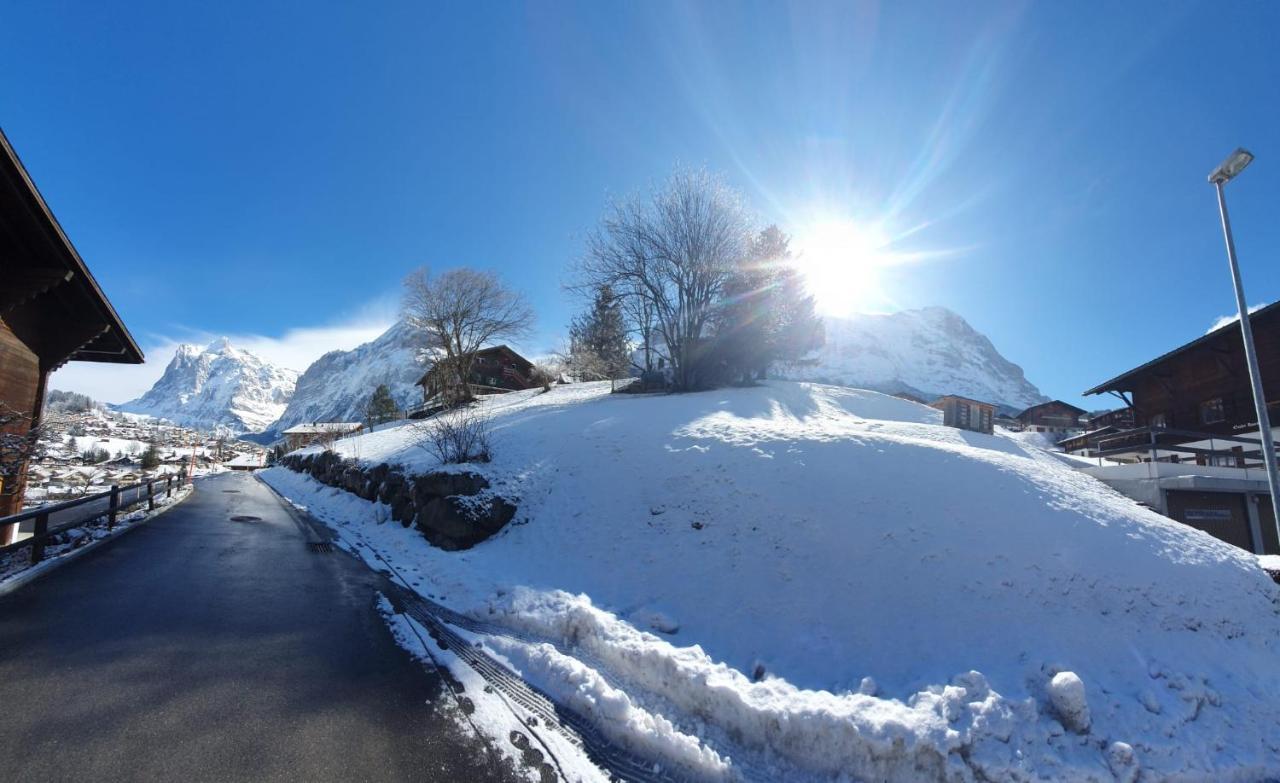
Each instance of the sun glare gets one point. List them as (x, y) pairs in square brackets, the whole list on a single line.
[(841, 260)]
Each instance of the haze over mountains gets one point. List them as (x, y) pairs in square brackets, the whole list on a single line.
[(927, 352)]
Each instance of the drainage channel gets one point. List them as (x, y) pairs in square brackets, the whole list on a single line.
[(574, 727)]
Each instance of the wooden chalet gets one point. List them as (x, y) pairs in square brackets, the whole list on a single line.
[(1052, 416), (495, 370), (1188, 433), (965, 414), (322, 432), (52, 312)]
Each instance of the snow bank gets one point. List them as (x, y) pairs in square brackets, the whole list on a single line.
[(737, 562)]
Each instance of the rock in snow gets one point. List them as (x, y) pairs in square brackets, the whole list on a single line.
[(927, 353), (1066, 692), (219, 386)]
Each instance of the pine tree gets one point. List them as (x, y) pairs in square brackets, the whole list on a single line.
[(598, 339), (151, 457), (765, 314), (382, 406)]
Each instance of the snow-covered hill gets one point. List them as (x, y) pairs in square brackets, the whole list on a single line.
[(803, 582), (218, 386), (337, 386), (928, 353)]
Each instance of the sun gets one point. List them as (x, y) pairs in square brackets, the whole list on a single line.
[(841, 261)]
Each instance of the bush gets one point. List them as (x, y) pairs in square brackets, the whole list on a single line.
[(456, 437)]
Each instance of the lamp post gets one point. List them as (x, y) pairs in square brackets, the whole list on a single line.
[(1224, 173)]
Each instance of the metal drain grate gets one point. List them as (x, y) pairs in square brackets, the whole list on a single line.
[(245, 518), (320, 547)]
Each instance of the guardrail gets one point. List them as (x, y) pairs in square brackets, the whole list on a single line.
[(54, 518)]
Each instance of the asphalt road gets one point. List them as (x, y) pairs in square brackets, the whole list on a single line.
[(198, 648)]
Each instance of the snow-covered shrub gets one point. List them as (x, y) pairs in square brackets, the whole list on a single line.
[(456, 437)]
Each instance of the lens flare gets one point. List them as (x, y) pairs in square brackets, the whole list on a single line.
[(841, 260)]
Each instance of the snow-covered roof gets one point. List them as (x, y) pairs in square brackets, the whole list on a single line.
[(324, 428), (244, 461)]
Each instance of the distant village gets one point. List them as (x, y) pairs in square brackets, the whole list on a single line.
[(84, 448)]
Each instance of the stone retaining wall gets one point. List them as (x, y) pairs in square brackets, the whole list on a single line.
[(449, 508)]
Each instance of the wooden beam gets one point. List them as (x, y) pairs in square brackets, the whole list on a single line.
[(24, 285)]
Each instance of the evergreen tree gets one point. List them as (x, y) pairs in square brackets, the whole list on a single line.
[(381, 407), (765, 314), (151, 457), (598, 339)]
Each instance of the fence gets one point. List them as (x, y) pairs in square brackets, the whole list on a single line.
[(56, 517)]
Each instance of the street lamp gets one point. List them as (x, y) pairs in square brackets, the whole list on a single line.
[(1224, 173)]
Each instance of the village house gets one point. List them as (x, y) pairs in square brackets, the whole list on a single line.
[(964, 413), (1187, 440), (495, 370), (1054, 416), (51, 312), (318, 432)]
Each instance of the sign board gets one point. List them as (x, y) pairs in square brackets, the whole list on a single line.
[(1208, 515)]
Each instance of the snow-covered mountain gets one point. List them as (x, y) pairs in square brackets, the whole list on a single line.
[(218, 386), (337, 386), (927, 352)]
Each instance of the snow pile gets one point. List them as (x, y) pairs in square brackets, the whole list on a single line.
[(802, 582), (928, 353)]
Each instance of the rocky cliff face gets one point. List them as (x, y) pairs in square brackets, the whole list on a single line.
[(337, 386), (927, 352), (219, 386)]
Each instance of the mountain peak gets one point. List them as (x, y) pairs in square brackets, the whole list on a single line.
[(218, 386), (927, 352), (219, 345)]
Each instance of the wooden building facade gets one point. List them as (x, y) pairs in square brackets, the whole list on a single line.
[(1189, 414), (1053, 416), (52, 311), (966, 414), (494, 370), (1203, 386)]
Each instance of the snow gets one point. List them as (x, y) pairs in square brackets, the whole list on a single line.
[(844, 587), (928, 352), (337, 386), (1067, 695), (219, 386)]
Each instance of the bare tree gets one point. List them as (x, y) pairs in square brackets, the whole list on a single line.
[(672, 252), (459, 312)]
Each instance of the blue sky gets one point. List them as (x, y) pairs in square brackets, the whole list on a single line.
[(271, 172)]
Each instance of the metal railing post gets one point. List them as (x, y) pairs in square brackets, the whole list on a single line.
[(151, 495), (37, 538), (168, 486), (115, 506)]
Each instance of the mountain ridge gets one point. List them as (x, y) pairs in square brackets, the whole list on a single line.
[(218, 386), (926, 352)]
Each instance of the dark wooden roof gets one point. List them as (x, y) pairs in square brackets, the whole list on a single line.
[(962, 399), (522, 363), (48, 298), (1124, 381), (1033, 408)]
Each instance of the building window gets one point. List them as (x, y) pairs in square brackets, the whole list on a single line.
[(1212, 411)]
